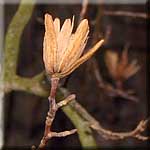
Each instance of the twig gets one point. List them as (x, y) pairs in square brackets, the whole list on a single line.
[(126, 14), (53, 107), (51, 113), (66, 101), (108, 134), (97, 25), (136, 133), (108, 88), (107, 33), (84, 9), (97, 30), (61, 134)]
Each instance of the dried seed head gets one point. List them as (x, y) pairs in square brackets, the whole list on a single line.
[(119, 67), (111, 60), (62, 49)]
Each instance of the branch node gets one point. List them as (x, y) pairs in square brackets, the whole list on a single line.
[(66, 101), (61, 134)]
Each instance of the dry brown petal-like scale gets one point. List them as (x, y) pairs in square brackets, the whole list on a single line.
[(119, 67), (62, 49)]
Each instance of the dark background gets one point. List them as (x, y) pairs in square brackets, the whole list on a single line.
[(25, 113)]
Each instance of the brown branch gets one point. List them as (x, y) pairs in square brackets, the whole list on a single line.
[(108, 134), (51, 113), (66, 101), (107, 33), (93, 123), (84, 9), (126, 14), (136, 133), (53, 107), (61, 134), (109, 89)]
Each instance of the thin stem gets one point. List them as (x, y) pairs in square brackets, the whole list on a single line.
[(51, 113), (83, 10), (119, 84), (126, 14), (53, 107)]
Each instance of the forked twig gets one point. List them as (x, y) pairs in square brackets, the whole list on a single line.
[(53, 107), (113, 92), (108, 134), (126, 14)]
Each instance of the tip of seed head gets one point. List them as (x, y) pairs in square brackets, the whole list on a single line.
[(47, 15)]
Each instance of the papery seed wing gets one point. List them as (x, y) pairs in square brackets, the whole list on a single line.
[(50, 44), (111, 60), (74, 49), (124, 56), (131, 69), (78, 53), (63, 38), (83, 58), (122, 64), (46, 58), (57, 26)]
